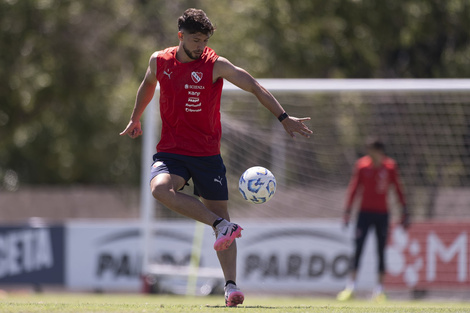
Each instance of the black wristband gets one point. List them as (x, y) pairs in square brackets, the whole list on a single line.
[(282, 117)]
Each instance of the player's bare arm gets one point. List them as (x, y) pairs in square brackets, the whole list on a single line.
[(144, 95), (242, 79)]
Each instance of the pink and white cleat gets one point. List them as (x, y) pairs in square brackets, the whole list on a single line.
[(233, 295), (226, 234)]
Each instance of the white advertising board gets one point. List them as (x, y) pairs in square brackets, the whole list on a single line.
[(103, 256), (300, 257), (295, 256), (107, 255)]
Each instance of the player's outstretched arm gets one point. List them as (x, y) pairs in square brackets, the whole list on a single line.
[(144, 95), (242, 79)]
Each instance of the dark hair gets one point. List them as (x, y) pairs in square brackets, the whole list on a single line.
[(376, 144), (195, 21)]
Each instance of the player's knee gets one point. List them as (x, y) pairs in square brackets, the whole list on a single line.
[(160, 192)]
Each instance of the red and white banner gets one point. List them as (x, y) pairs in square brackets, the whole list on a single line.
[(429, 255)]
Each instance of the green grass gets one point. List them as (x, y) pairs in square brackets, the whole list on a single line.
[(85, 303)]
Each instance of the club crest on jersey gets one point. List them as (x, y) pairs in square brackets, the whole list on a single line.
[(196, 76)]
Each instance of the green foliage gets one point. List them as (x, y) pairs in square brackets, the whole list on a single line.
[(70, 69), (347, 38)]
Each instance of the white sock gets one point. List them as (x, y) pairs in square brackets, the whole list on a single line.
[(379, 288), (222, 223), (351, 285)]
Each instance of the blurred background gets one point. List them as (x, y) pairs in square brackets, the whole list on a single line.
[(70, 70)]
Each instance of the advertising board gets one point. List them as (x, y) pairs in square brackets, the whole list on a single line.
[(32, 255), (294, 255), (429, 255)]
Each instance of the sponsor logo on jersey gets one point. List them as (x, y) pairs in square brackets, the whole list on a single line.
[(193, 105), (193, 110), (167, 73), (186, 86)]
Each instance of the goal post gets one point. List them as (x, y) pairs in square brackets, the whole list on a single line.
[(308, 85), (147, 203)]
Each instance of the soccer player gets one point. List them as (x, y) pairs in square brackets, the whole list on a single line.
[(373, 175), (191, 78)]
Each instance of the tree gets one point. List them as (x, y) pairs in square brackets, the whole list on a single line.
[(71, 69)]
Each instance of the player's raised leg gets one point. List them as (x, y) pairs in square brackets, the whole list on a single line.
[(165, 188)]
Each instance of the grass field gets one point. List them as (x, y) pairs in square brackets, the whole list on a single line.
[(85, 303)]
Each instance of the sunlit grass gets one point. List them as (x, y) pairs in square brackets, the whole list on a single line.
[(84, 303)]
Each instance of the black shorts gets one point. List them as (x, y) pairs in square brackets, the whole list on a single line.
[(207, 173)]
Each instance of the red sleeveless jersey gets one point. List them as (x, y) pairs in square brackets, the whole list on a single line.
[(374, 183), (189, 104)]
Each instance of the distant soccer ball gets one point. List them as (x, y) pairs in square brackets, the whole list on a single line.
[(257, 185)]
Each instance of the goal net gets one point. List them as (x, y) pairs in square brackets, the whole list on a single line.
[(425, 125)]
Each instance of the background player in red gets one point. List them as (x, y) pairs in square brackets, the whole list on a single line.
[(191, 78), (372, 177)]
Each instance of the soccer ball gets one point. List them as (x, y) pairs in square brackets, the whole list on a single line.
[(257, 185)]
